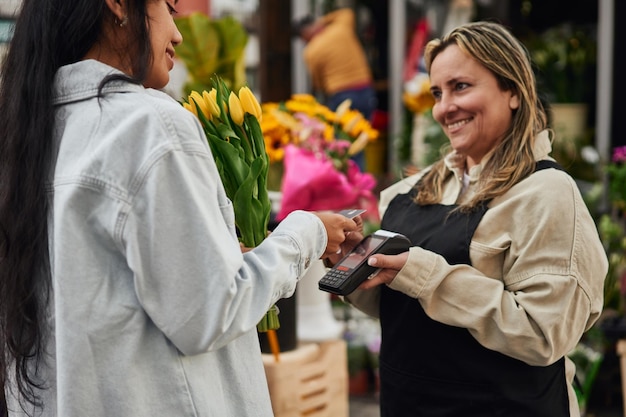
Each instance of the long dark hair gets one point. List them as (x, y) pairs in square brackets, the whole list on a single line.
[(48, 34)]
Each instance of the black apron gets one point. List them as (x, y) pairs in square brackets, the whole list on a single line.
[(431, 369)]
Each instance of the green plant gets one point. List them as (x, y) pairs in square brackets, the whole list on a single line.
[(588, 361), (612, 228), (612, 234), (617, 179), (212, 47), (565, 59)]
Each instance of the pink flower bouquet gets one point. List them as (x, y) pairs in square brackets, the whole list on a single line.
[(312, 182)]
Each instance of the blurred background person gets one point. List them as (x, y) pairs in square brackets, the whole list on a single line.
[(337, 62)]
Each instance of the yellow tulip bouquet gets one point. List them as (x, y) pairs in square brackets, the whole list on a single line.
[(231, 125)]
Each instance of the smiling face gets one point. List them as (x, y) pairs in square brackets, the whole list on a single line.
[(120, 43), (473, 110), (164, 36)]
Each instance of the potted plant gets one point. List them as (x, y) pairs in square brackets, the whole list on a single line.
[(565, 61)]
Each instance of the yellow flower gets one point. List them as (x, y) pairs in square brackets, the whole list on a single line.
[(283, 124), (417, 96), (191, 106), (359, 144), (210, 98), (354, 119), (249, 102), (285, 119), (269, 106), (329, 133), (306, 98), (196, 98), (372, 133), (236, 111), (343, 107), (300, 107)]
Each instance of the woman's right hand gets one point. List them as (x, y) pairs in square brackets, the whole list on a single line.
[(338, 228)]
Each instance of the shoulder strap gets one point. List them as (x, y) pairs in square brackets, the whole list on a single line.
[(545, 164)]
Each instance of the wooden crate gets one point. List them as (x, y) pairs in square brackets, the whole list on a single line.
[(310, 381)]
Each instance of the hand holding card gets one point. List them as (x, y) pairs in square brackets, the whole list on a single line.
[(352, 213)]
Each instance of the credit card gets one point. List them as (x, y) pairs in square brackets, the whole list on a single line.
[(351, 213)]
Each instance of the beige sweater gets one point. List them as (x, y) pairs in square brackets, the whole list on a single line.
[(537, 274)]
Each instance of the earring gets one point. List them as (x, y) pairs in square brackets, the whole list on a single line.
[(121, 23)]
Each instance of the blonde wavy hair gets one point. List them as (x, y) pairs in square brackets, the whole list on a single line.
[(493, 46)]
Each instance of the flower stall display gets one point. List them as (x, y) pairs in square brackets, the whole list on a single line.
[(426, 137), (617, 179), (313, 145), (310, 147), (612, 228), (231, 125)]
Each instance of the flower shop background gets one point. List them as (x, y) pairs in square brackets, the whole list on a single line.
[(574, 51), (565, 45)]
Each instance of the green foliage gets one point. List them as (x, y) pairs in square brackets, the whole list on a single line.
[(612, 228), (617, 176), (565, 57), (612, 234), (436, 141), (403, 144), (210, 47), (588, 361)]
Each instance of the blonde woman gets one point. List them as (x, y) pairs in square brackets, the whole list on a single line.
[(506, 270)]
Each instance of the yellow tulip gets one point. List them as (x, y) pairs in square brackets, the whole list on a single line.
[(210, 98), (234, 106), (196, 98), (191, 106), (250, 103)]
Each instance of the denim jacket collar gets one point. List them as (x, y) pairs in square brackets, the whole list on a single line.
[(81, 81)]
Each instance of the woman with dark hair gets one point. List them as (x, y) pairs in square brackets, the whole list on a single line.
[(506, 269), (123, 288)]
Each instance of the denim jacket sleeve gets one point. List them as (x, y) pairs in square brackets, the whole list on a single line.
[(190, 274)]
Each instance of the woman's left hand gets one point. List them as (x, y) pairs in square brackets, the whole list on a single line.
[(389, 266)]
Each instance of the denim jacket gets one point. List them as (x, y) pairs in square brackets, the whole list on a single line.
[(154, 306)]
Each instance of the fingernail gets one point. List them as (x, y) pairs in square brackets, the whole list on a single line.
[(371, 261), (338, 252)]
